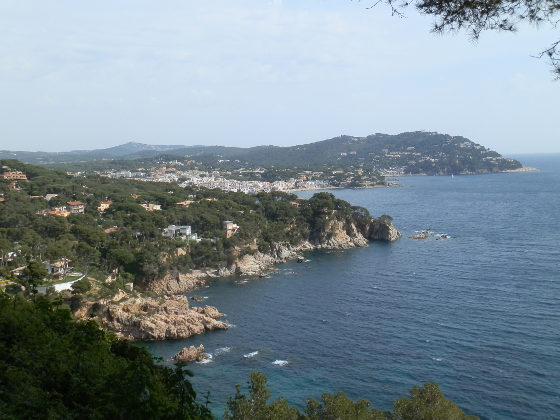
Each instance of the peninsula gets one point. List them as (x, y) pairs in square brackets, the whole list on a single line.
[(131, 246), (340, 162)]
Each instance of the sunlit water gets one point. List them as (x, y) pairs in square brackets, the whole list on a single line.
[(478, 313)]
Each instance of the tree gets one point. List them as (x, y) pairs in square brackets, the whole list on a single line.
[(34, 273), (339, 406), (5, 248), (481, 15), (255, 406), (427, 403), (81, 286), (86, 254)]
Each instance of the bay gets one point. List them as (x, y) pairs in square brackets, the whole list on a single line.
[(477, 313)]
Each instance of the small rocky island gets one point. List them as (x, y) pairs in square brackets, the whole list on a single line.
[(191, 354)]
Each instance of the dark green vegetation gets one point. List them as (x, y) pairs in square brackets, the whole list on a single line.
[(127, 239), (426, 403), (416, 152), (53, 367)]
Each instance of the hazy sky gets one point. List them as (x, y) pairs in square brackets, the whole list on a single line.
[(91, 74)]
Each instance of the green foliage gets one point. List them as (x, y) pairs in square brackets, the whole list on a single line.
[(256, 406), (128, 238), (54, 367), (426, 403), (339, 406), (385, 218), (81, 286), (33, 274)]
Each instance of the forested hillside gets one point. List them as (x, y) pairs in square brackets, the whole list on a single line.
[(127, 236), (417, 152)]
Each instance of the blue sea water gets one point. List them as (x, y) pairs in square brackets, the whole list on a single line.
[(478, 313)]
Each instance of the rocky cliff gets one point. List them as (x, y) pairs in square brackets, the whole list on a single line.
[(338, 234), (179, 283), (169, 317), (145, 319)]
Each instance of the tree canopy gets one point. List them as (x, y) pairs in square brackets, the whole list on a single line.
[(425, 403), (476, 16), (54, 367)]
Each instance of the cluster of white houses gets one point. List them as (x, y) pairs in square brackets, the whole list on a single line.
[(72, 207)]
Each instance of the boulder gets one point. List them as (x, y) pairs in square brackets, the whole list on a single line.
[(191, 354)]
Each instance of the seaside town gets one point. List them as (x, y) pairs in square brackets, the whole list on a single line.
[(306, 180)]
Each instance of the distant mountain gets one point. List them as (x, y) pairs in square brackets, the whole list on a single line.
[(413, 152)]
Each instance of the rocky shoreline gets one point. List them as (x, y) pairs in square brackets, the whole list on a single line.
[(149, 319), (140, 318), (340, 236)]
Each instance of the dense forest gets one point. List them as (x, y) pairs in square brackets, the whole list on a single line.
[(54, 367)]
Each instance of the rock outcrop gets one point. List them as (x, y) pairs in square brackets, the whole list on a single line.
[(381, 230), (191, 354), (338, 234), (146, 319), (178, 283)]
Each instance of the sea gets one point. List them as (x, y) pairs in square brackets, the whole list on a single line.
[(474, 307)]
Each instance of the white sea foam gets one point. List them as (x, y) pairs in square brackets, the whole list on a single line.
[(231, 325), (437, 359), (222, 350), (252, 354), (280, 362), (208, 360)]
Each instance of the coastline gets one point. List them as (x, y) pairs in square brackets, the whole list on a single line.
[(507, 171), (522, 169), (340, 236), (167, 315)]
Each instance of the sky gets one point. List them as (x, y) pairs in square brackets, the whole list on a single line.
[(96, 74)]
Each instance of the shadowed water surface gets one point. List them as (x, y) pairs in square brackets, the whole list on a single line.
[(477, 313)]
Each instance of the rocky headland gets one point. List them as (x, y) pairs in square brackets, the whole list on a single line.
[(338, 234), (135, 317), (148, 319)]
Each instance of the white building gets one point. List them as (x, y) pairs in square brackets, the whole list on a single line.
[(183, 232)]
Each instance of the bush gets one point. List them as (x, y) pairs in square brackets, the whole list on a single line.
[(81, 286)]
